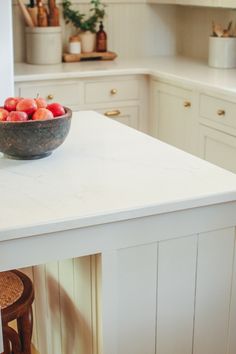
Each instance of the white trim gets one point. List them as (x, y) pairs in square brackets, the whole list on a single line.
[(6, 60)]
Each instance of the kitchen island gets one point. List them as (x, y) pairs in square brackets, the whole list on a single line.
[(162, 220)]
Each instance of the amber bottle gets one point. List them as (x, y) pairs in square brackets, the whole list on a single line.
[(101, 39)]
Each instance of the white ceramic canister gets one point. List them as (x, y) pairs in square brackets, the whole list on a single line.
[(43, 45), (222, 52)]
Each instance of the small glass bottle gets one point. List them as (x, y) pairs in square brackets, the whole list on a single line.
[(101, 39)]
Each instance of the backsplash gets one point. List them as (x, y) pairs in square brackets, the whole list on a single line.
[(139, 29), (134, 29), (194, 26)]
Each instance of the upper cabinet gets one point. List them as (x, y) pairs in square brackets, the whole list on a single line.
[(209, 3)]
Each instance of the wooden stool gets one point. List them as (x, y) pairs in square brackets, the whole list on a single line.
[(16, 297)]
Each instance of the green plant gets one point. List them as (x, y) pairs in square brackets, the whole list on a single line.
[(79, 20)]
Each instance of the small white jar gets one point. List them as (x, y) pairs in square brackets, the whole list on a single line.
[(74, 46)]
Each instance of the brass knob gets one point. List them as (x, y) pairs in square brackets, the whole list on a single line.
[(50, 97), (221, 112), (114, 113), (113, 91), (187, 104)]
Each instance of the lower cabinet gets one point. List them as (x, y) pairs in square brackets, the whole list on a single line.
[(218, 147), (173, 111), (122, 98), (202, 123)]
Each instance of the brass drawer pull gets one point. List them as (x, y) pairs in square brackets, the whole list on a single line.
[(50, 97), (221, 112), (113, 91), (114, 113), (187, 104)]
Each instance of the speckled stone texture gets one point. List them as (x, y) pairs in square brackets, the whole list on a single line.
[(33, 139)]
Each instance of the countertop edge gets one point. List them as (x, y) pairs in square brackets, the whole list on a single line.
[(115, 216)]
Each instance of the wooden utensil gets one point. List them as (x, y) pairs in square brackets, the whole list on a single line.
[(28, 20), (42, 15), (53, 18), (33, 11)]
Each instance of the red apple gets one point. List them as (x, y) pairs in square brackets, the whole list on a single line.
[(57, 109), (3, 114), (11, 103), (27, 105), (42, 114), (17, 116), (41, 102)]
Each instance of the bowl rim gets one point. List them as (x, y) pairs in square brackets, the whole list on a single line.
[(68, 114)]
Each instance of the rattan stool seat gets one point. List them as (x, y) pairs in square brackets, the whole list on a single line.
[(11, 289), (16, 298)]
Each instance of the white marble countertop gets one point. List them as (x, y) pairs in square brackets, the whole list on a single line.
[(185, 70), (104, 172)]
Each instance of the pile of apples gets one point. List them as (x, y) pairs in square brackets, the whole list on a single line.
[(18, 109)]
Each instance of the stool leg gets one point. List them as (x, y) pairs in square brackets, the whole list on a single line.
[(6, 344), (11, 341), (25, 327)]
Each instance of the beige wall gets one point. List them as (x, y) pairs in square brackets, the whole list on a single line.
[(134, 29), (137, 29), (194, 28)]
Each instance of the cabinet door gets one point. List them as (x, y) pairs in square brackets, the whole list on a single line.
[(125, 115), (218, 147), (174, 116)]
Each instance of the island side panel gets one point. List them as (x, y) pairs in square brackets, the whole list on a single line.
[(213, 291), (129, 278), (176, 295), (136, 305)]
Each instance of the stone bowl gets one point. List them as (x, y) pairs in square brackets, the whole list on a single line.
[(34, 139)]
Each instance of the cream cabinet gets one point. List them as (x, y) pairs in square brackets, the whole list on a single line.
[(218, 147), (67, 92), (199, 122), (123, 98), (173, 115), (217, 133)]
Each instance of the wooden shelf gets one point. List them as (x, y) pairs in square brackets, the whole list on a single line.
[(70, 58)]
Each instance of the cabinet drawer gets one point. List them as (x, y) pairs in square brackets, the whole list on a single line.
[(218, 110), (68, 94), (125, 115), (111, 91)]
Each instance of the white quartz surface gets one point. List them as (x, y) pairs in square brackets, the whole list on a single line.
[(187, 70), (104, 172)]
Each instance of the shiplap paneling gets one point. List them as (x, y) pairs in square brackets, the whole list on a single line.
[(213, 291), (136, 307), (65, 316), (175, 295), (133, 29), (194, 26)]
